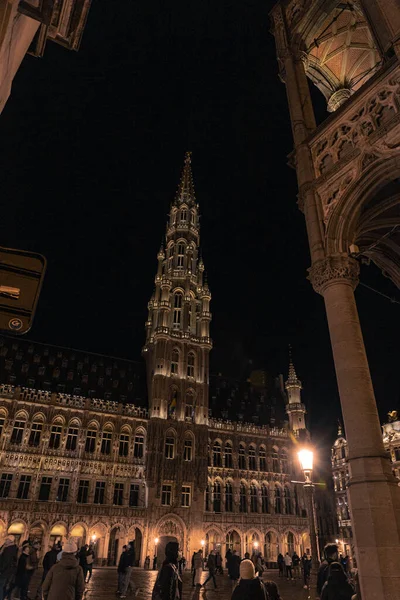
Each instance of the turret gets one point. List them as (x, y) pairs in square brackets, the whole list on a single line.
[(295, 408)]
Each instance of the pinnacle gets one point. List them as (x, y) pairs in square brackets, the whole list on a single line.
[(292, 376), (185, 192)]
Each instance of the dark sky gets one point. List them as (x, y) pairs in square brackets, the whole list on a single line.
[(91, 148)]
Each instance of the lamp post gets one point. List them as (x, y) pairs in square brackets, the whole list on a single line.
[(255, 546), (156, 540), (306, 458)]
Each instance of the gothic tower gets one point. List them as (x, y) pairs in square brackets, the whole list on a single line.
[(295, 408), (178, 327)]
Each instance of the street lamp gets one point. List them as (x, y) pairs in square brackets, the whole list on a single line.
[(156, 540), (255, 545), (94, 538), (202, 544), (306, 458)]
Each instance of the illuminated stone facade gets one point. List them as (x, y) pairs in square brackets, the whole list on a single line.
[(74, 465)]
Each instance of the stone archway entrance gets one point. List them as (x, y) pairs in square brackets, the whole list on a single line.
[(164, 539), (114, 547)]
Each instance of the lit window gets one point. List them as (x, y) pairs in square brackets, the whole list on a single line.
[(55, 437), (175, 362), (36, 431), (190, 365), (185, 495), (166, 495), (123, 444), (169, 447), (106, 442), (188, 450), (177, 315), (5, 485), (138, 446)]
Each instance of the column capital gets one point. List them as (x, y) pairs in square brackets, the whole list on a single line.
[(333, 269)]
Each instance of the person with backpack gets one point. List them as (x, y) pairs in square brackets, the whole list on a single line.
[(211, 565), (337, 586), (331, 555), (50, 559), (168, 585), (8, 565), (249, 587), (65, 578)]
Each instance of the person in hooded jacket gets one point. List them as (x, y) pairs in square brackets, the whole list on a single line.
[(331, 555), (250, 587), (65, 579), (125, 567), (198, 563), (8, 565), (50, 559), (337, 586)]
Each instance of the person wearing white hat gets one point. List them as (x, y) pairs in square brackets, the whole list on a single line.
[(249, 585), (65, 579)]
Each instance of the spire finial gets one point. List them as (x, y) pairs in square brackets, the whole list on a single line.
[(339, 429), (185, 191), (292, 377)]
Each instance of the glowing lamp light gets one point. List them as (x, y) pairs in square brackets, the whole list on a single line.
[(255, 544), (94, 538), (337, 541), (156, 540), (306, 458), (202, 543)]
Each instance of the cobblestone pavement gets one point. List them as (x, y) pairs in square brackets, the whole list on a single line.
[(103, 586)]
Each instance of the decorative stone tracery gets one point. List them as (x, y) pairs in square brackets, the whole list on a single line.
[(333, 269)]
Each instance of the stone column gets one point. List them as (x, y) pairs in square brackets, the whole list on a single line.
[(373, 492)]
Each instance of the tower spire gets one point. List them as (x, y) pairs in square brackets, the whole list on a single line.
[(294, 408), (292, 377), (185, 192)]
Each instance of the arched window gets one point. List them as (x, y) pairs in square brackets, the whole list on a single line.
[(208, 496), (177, 315), (290, 543), (72, 436), (91, 437), (288, 501), (55, 436), (180, 259), (189, 407), (242, 457), (175, 362), (284, 462), (106, 440), (217, 456), (193, 217), (253, 499), (217, 497), (190, 364), (124, 443), (264, 499), (36, 432), (138, 446), (169, 451), (188, 449), (278, 499), (228, 456), (252, 458), (243, 499), (183, 215), (228, 497), (275, 461), (263, 458)]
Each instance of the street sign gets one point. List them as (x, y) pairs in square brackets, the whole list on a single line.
[(21, 278)]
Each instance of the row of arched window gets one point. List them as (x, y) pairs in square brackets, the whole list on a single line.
[(190, 367), (249, 458), (183, 215), (253, 498), (66, 437)]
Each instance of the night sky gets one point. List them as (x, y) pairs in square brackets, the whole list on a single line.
[(91, 148)]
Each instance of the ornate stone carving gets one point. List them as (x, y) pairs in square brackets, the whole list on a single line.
[(334, 268)]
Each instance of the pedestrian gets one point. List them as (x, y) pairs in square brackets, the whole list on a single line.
[(296, 565), (147, 562), (288, 566), (8, 566), (50, 559), (331, 555), (344, 561), (126, 568), (168, 585), (22, 576), (211, 565), (281, 565), (65, 578), (246, 556), (82, 558), (337, 586), (234, 572), (249, 585), (197, 567), (228, 557), (89, 563), (121, 568), (259, 565), (306, 565), (155, 563), (218, 564)]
